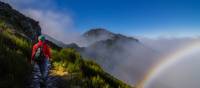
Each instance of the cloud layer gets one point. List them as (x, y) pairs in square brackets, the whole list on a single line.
[(55, 24), (183, 73), (131, 62)]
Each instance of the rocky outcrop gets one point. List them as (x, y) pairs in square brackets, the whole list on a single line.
[(18, 21)]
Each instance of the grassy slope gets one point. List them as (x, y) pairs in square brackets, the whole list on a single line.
[(14, 53), (15, 69), (87, 74)]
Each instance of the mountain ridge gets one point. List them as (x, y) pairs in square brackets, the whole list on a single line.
[(101, 34), (113, 51), (19, 22)]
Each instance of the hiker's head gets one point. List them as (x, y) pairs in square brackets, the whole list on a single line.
[(41, 38)]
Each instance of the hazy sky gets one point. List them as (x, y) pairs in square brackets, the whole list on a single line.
[(149, 18)]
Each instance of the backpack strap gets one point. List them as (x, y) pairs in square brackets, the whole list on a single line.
[(42, 46)]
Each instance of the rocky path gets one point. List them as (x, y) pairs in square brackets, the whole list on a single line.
[(51, 82), (53, 79)]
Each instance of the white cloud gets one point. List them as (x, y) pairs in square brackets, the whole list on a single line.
[(165, 45), (55, 24)]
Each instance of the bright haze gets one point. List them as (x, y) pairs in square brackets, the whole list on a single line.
[(163, 26)]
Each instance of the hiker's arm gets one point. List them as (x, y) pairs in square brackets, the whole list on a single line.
[(48, 52)]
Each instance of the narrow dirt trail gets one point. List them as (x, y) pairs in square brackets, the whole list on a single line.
[(51, 82), (56, 78)]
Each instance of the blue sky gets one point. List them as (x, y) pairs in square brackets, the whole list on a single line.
[(149, 18), (137, 17)]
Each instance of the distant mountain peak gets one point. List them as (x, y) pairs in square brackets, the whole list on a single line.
[(97, 32), (101, 34), (99, 29)]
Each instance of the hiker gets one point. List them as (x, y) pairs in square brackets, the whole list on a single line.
[(40, 56)]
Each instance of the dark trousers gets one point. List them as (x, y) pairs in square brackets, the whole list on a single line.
[(43, 69)]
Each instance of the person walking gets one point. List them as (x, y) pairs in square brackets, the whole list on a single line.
[(41, 56)]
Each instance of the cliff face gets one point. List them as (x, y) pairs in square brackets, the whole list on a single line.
[(17, 21)]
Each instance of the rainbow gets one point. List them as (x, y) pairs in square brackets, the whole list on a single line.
[(168, 61)]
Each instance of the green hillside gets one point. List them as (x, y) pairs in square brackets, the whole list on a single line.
[(68, 65), (15, 53), (86, 74)]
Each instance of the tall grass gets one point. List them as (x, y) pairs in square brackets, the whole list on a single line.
[(14, 55)]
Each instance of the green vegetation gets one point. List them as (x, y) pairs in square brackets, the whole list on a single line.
[(16, 32), (14, 54), (15, 51), (87, 74)]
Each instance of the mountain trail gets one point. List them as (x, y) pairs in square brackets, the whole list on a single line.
[(54, 78)]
